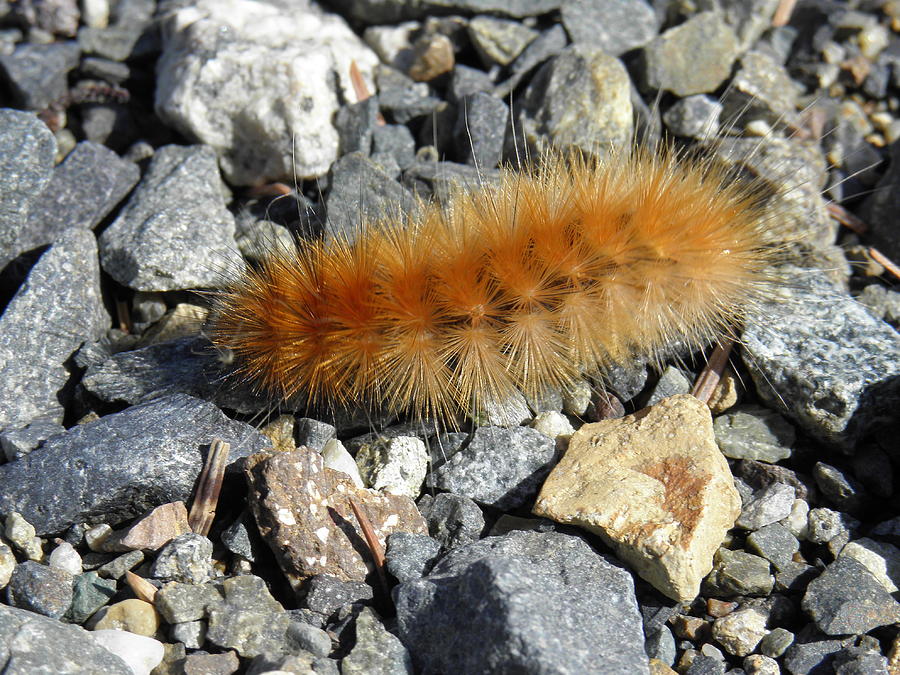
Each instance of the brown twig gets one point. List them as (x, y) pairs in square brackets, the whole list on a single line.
[(884, 261), (783, 13), (372, 542), (712, 373), (847, 219), (209, 485), (141, 588), (124, 316), (362, 90)]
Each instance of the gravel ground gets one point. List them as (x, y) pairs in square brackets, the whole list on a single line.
[(149, 147)]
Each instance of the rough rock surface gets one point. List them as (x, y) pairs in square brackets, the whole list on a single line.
[(304, 514), (57, 309), (117, 467), (264, 96), (31, 643), (523, 602), (654, 486)]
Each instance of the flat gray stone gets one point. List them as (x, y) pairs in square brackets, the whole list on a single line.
[(616, 26), (175, 231), (31, 644), (523, 602), (501, 467), (823, 355), (57, 309), (27, 152), (122, 465)]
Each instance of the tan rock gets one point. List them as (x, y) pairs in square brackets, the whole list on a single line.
[(156, 529), (302, 509), (654, 486), (134, 616)]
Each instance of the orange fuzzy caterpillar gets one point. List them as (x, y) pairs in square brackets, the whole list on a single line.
[(526, 285)]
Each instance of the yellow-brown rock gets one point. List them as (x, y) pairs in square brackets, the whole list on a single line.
[(654, 486)]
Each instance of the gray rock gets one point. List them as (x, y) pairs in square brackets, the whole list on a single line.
[(811, 655), (16, 443), (738, 573), (820, 352), (122, 465), (775, 543), (616, 26), (825, 525), (125, 37), (32, 644), (769, 505), (302, 636), (705, 664), (396, 140), (692, 58), (185, 366), (27, 152), (548, 44), (480, 129), (174, 231), (754, 432), (57, 308), (501, 467), (292, 663), (185, 603), (98, 68), (89, 593), (410, 556), (847, 599), (37, 75), (187, 558), (116, 568), (882, 303), (292, 64), (376, 650), (465, 81), (380, 11), (671, 382), (694, 117), (439, 179), (761, 90), (499, 41), (83, 190), (191, 633), (356, 124), (402, 99), (522, 602), (860, 661), (843, 491), (453, 520), (39, 588), (776, 642), (553, 112), (660, 644), (249, 620), (313, 433), (326, 594), (242, 538), (361, 192)]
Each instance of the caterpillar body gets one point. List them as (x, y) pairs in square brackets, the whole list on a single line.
[(525, 285)]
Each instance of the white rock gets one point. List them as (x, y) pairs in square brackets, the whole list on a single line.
[(142, 654), (336, 457), (881, 559), (758, 664), (397, 465), (654, 486), (740, 631), (552, 424), (393, 44), (798, 519), (95, 13), (768, 506), (65, 557), (256, 81), (7, 564)]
